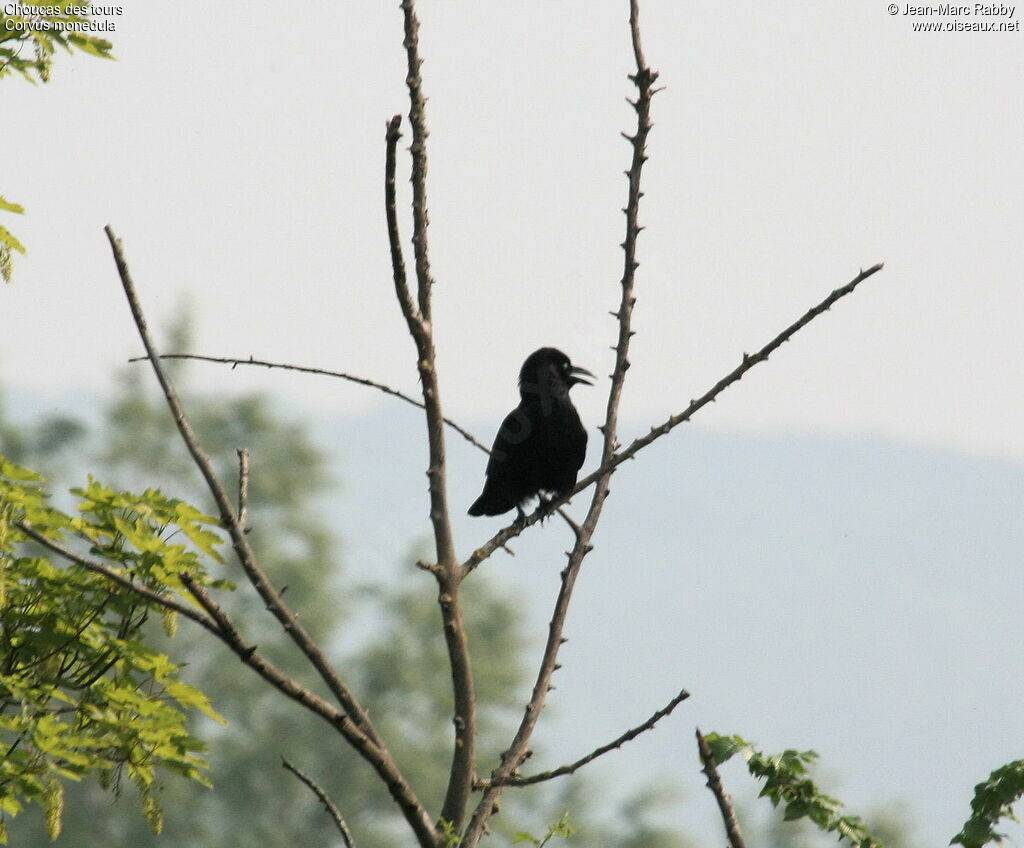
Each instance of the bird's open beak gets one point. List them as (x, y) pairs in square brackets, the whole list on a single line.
[(574, 375)]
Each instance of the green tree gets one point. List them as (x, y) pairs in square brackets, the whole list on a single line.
[(401, 671), (82, 693)]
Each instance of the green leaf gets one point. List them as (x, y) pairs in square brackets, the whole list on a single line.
[(53, 807), (8, 239), (83, 694), (724, 748), (993, 800), (12, 471), (786, 782), (7, 206)]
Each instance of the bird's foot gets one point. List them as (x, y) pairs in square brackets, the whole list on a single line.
[(544, 508)]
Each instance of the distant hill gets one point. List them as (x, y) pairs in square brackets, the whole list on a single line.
[(852, 595)]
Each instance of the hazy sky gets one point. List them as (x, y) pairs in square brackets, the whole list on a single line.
[(238, 150)]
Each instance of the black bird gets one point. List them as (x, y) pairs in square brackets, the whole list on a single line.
[(541, 444)]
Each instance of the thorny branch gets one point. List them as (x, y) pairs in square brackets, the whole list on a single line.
[(418, 119), (618, 742), (513, 757), (353, 722), (325, 799), (748, 362), (732, 827), (447, 570), (239, 541)]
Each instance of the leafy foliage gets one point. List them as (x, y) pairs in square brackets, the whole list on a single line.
[(82, 694), (993, 800), (62, 26), (787, 782), (7, 240)]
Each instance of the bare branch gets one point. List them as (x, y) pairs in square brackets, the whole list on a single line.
[(409, 310), (246, 556), (749, 361), (628, 736), (329, 805), (225, 626), (263, 363), (634, 35), (362, 381), (243, 489), (643, 79), (448, 572), (366, 740), (732, 827), (517, 751), (418, 120)]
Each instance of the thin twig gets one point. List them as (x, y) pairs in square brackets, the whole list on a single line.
[(323, 372), (732, 827), (243, 489), (356, 727), (329, 805), (246, 555), (226, 627), (517, 751), (629, 735), (749, 361), (228, 633)]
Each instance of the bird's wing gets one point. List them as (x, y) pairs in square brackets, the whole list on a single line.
[(581, 446), (513, 435)]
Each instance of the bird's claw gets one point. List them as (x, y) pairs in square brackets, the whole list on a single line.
[(544, 508)]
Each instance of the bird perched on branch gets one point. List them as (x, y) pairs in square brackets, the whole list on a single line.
[(541, 443)]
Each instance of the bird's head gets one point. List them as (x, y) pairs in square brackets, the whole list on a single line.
[(549, 371)]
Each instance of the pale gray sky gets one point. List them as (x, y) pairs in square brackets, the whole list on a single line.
[(238, 150), (238, 147)]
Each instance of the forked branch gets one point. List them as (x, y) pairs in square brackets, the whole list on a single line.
[(618, 742), (353, 723), (447, 569)]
